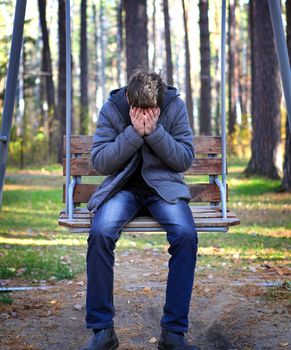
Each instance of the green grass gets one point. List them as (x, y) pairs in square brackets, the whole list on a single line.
[(34, 247), (5, 298)]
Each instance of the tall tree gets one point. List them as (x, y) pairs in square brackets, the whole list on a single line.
[(154, 35), (189, 99), (286, 183), (62, 75), (21, 104), (266, 96), (205, 78), (84, 110), (232, 72), (47, 70), (168, 43), (119, 39), (136, 35), (103, 48), (217, 93), (95, 59)]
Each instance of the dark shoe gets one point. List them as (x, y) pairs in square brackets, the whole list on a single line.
[(174, 341), (105, 339)]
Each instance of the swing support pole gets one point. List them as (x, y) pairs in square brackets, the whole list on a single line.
[(68, 104), (282, 51), (222, 186), (10, 90)]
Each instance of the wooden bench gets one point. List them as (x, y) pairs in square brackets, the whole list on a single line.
[(206, 203)]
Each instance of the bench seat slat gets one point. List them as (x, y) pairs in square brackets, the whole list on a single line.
[(148, 222), (194, 208), (195, 215)]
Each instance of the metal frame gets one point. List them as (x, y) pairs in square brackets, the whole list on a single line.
[(222, 185), (149, 230), (69, 187), (282, 51), (10, 90)]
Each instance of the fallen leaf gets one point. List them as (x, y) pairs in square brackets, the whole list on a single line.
[(153, 340)]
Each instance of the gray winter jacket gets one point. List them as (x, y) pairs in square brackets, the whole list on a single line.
[(167, 152)]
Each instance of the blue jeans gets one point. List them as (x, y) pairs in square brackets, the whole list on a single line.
[(107, 224)]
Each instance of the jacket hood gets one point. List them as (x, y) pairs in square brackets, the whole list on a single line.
[(118, 97)]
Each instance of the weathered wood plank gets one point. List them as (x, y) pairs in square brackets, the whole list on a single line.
[(199, 192), (200, 166), (195, 215), (149, 222), (194, 208), (202, 144)]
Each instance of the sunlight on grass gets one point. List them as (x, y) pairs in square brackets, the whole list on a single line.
[(41, 242)]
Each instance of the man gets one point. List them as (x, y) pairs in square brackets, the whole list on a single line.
[(143, 142)]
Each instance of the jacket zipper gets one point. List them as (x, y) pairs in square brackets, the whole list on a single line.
[(117, 188), (151, 185)]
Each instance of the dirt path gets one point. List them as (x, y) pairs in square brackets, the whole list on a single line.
[(228, 311)]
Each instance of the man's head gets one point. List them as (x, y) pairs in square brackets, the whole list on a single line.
[(145, 90)]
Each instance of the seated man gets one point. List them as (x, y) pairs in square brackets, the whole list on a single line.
[(143, 142)]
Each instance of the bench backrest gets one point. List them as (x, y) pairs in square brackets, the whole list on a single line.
[(207, 162)]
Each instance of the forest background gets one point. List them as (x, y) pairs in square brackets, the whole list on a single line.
[(180, 39)]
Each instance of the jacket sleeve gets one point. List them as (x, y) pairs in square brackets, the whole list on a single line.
[(110, 149), (175, 148)]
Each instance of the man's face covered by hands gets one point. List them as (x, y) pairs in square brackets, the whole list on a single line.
[(144, 121)]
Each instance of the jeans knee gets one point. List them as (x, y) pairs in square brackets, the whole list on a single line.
[(187, 234), (101, 233)]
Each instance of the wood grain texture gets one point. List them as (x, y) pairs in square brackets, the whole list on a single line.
[(200, 166), (149, 222), (202, 144), (199, 192)]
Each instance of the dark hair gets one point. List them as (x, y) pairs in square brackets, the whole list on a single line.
[(145, 89)]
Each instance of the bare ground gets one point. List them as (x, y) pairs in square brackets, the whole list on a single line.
[(229, 310)]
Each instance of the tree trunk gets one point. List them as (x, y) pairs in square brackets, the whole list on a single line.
[(119, 40), (286, 183), (205, 91), (62, 75), (154, 36), (136, 35), (168, 43), (84, 110), (50, 91), (21, 109), (232, 74), (189, 99), (96, 62), (266, 94), (103, 46), (217, 95)]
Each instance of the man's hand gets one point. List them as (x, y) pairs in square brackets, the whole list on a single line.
[(137, 119), (151, 117)]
